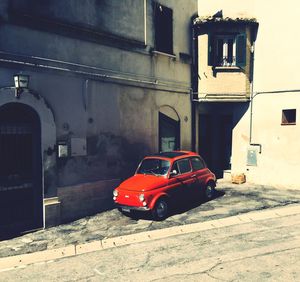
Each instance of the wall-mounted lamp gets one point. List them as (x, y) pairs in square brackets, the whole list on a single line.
[(21, 82)]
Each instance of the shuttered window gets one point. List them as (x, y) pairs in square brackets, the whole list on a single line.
[(241, 50), (227, 50), (163, 29)]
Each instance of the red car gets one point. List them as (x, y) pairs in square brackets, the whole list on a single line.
[(161, 177)]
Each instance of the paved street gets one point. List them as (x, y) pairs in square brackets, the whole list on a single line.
[(231, 200), (260, 250)]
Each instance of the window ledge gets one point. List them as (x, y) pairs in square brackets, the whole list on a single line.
[(291, 123), (155, 52), (227, 68)]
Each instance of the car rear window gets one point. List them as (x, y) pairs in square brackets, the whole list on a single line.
[(198, 163)]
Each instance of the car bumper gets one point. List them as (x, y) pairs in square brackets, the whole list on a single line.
[(131, 208)]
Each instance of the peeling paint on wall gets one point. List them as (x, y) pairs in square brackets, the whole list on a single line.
[(109, 157)]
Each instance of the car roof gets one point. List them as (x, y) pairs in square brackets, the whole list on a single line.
[(174, 154)]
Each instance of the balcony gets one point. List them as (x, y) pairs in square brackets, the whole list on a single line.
[(221, 97)]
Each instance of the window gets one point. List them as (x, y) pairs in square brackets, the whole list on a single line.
[(288, 117), (154, 166), (163, 18), (184, 166), (198, 164), (227, 50)]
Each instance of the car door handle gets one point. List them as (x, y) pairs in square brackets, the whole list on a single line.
[(194, 175)]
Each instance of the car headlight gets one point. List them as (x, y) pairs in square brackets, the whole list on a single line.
[(115, 193), (142, 197)]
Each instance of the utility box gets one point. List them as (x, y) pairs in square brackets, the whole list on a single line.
[(78, 147), (252, 157)]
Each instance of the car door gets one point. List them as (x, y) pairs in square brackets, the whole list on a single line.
[(200, 172), (184, 181)]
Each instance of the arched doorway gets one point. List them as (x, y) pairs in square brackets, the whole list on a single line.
[(169, 129), (21, 189)]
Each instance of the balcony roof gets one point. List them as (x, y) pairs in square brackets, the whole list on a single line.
[(221, 97), (218, 18)]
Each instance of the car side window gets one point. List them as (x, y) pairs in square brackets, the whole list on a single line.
[(175, 167), (198, 163), (184, 166)]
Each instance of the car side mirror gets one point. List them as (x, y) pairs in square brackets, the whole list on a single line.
[(173, 172)]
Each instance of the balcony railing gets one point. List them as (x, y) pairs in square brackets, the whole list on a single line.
[(226, 61)]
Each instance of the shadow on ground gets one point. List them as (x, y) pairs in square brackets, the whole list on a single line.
[(178, 206)]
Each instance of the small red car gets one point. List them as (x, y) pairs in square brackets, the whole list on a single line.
[(161, 177)]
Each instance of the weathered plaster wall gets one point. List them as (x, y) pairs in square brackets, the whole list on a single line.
[(111, 16), (92, 61), (122, 127), (119, 121)]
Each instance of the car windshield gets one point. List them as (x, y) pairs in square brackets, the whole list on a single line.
[(156, 167)]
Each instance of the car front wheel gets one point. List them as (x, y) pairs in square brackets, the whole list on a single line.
[(161, 209)]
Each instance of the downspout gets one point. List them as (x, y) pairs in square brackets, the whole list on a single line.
[(252, 95), (194, 73), (145, 22)]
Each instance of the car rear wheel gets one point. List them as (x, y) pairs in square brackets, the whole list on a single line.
[(209, 191), (161, 209)]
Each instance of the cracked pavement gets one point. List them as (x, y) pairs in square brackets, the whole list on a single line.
[(231, 200), (261, 250)]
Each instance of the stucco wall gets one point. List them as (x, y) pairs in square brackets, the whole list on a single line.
[(278, 163), (92, 61), (111, 16), (275, 68), (108, 94)]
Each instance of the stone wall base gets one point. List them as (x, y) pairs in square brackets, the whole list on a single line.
[(52, 211), (85, 199)]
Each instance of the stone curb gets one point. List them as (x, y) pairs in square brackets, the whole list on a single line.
[(19, 261)]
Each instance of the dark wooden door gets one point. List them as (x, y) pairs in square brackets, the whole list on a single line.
[(206, 139), (21, 205), (225, 141)]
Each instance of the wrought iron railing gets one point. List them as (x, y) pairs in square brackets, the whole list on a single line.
[(226, 61)]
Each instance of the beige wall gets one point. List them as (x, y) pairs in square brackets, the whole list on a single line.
[(276, 68), (139, 110)]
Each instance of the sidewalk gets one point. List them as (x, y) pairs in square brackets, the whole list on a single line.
[(232, 200), (72, 250)]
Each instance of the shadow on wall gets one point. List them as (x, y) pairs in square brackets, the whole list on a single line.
[(108, 157), (216, 124)]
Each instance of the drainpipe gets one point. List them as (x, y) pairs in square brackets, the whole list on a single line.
[(251, 100), (194, 72)]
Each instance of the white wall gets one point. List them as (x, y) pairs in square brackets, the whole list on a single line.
[(229, 7), (276, 67)]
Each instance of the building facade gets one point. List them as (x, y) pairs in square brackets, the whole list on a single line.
[(263, 129), (109, 81), (222, 90)]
